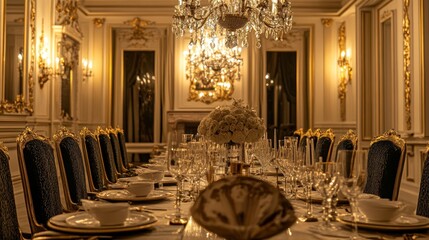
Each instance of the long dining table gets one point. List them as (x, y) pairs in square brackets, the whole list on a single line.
[(162, 230)]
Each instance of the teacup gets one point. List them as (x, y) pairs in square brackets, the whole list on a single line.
[(380, 210), (109, 214), (140, 188), (152, 175)]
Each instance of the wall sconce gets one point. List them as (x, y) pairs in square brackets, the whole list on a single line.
[(86, 69), (45, 69), (212, 69), (60, 67), (345, 70)]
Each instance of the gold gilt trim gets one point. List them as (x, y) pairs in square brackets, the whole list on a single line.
[(99, 22), (327, 22), (299, 132), (67, 14), (4, 149), (139, 26), (20, 105), (390, 135), (407, 60), (64, 132), (349, 135), (329, 133)]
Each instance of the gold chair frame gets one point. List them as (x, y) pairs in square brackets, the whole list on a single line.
[(26, 136)]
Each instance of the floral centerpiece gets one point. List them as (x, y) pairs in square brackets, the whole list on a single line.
[(233, 124)]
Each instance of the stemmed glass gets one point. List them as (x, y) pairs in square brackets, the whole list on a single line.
[(178, 165), (198, 166), (326, 181), (353, 168), (306, 177)]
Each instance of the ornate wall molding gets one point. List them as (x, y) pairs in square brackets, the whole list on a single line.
[(289, 39), (407, 60), (99, 22), (67, 14), (327, 22)]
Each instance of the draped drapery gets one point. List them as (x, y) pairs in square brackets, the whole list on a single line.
[(139, 102), (281, 67)]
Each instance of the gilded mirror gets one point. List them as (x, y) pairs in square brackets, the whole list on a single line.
[(17, 18)]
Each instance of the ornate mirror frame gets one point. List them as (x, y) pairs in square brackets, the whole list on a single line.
[(23, 103)]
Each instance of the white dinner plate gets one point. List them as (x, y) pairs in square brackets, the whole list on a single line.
[(85, 220), (82, 222), (404, 222), (120, 195)]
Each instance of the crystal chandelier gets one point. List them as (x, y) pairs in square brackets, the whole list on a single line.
[(212, 70), (234, 19)]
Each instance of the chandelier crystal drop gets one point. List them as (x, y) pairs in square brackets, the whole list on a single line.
[(234, 19)]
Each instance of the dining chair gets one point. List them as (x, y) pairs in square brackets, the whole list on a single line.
[(9, 226), (71, 166), (303, 140), (39, 178), (97, 179), (423, 199), (324, 145), (123, 148), (348, 141), (386, 156), (116, 148), (298, 134), (107, 154)]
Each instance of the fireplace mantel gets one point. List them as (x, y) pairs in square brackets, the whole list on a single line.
[(177, 120)]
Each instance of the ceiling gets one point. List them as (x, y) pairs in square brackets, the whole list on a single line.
[(165, 7)]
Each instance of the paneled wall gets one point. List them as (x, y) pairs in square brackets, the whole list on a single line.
[(93, 97)]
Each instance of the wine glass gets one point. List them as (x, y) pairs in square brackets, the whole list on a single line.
[(326, 181), (306, 177), (353, 168), (178, 166)]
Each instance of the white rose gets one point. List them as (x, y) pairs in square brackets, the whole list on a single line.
[(238, 137)]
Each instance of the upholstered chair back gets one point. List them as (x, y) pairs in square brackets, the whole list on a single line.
[(39, 178), (71, 167), (9, 227), (423, 200), (347, 142), (324, 145), (107, 154), (123, 148), (298, 134), (386, 157), (114, 140), (93, 161)]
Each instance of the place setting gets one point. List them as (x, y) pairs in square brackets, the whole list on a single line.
[(102, 217)]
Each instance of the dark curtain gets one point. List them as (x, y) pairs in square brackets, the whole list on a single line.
[(282, 69), (139, 101)]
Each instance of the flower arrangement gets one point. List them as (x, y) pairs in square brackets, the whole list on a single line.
[(234, 123)]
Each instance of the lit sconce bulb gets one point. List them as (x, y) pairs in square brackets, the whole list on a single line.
[(348, 53), (86, 69), (343, 54)]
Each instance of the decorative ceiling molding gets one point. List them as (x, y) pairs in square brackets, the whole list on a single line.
[(166, 7)]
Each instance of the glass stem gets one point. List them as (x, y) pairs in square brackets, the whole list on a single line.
[(308, 196), (179, 196), (355, 215)]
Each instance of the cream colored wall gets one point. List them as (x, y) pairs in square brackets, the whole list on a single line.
[(94, 95)]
